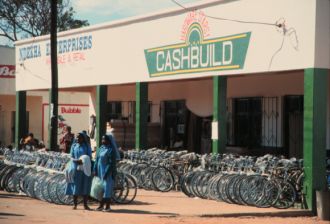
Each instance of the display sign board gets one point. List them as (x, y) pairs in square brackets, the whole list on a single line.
[(7, 71), (197, 54), (74, 115)]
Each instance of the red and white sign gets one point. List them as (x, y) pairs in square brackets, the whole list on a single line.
[(74, 115), (7, 71), (196, 16), (70, 110)]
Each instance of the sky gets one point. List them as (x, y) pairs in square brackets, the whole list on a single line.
[(98, 11)]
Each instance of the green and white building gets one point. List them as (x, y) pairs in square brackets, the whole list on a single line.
[(219, 75)]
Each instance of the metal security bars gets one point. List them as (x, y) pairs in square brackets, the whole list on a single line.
[(253, 122)]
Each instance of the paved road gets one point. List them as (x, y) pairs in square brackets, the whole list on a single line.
[(149, 207)]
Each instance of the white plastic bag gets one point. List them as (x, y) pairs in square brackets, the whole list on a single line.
[(97, 189)]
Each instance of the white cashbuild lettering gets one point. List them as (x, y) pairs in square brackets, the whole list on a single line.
[(227, 48), (206, 63), (185, 58), (159, 53), (176, 59), (168, 64), (194, 57), (214, 56)]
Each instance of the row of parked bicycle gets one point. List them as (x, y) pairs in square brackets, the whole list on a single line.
[(263, 182), (40, 175)]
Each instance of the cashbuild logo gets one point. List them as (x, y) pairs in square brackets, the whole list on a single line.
[(198, 54)]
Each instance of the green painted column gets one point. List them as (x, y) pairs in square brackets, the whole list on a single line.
[(101, 111), (141, 116), (20, 116), (315, 103), (220, 113)]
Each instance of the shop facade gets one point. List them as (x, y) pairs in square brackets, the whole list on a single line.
[(8, 102), (73, 106), (256, 82)]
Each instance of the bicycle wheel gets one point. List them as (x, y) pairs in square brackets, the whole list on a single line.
[(185, 182), (287, 194), (162, 179), (131, 190), (121, 188), (270, 194), (203, 183)]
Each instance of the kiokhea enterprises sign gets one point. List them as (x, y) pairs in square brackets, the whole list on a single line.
[(197, 54)]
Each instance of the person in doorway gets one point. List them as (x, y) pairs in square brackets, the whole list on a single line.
[(178, 143), (105, 169), (81, 181), (109, 128), (92, 126), (67, 140)]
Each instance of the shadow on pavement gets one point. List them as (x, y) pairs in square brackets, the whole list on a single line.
[(141, 212), (298, 213), (140, 203), (13, 196), (9, 214)]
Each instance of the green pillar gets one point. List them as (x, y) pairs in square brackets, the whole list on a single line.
[(315, 102), (220, 113), (20, 116), (101, 111), (141, 116)]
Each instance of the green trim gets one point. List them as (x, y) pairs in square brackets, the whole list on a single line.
[(215, 98), (20, 116), (101, 111), (215, 146), (137, 116), (220, 113), (315, 107), (141, 116)]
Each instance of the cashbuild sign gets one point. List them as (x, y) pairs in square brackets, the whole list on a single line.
[(197, 54)]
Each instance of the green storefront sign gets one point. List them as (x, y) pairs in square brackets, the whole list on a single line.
[(198, 55)]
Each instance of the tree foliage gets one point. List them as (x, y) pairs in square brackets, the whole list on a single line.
[(29, 18)]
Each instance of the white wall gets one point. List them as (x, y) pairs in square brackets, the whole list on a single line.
[(67, 99), (33, 105), (117, 52)]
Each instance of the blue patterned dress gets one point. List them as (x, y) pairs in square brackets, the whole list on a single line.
[(82, 183), (105, 168)]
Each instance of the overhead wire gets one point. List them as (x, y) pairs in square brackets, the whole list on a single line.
[(226, 19), (279, 24)]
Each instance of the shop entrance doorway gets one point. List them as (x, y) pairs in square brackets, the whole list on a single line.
[(247, 122), (293, 125), (173, 125)]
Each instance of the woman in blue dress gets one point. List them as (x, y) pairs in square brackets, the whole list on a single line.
[(105, 169), (81, 184)]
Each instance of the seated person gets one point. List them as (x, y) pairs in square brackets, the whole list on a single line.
[(30, 143), (178, 143)]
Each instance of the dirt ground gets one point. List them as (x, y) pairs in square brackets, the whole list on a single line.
[(149, 208)]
